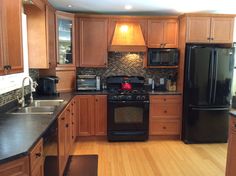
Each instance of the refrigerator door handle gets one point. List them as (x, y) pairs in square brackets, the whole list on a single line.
[(215, 76), (211, 76), (211, 109), (188, 66)]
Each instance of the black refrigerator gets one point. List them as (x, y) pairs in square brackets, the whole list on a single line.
[(207, 93)]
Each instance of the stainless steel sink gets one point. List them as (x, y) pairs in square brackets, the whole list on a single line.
[(34, 110), (42, 103)]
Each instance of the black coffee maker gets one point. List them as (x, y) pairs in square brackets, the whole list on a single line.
[(47, 85)]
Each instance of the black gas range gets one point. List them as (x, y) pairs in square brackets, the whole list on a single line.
[(128, 109)]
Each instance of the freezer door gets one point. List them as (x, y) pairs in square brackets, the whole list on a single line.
[(223, 75), (198, 75), (204, 125)]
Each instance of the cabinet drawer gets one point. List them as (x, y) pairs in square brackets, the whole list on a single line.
[(164, 127), (165, 98), (36, 155), (167, 111)]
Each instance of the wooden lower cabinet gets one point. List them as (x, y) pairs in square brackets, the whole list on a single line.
[(65, 136), (37, 160), (91, 114), (31, 165), (19, 167), (165, 113), (231, 155)]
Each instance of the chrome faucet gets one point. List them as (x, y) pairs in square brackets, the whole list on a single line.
[(32, 89)]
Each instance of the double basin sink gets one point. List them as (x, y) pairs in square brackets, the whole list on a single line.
[(38, 107)]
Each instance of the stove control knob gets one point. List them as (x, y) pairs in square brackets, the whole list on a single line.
[(129, 97), (114, 98), (143, 97), (138, 97), (120, 97)]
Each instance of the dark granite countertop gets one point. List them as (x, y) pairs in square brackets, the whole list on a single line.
[(20, 132)]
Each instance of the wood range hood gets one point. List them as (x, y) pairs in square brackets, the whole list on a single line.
[(128, 37)]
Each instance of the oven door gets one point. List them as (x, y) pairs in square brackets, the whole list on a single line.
[(128, 115)]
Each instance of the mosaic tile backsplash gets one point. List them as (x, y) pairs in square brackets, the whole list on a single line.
[(130, 64), (12, 95)]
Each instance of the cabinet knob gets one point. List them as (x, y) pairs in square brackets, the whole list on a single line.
[(164, 99), (165, 111), (67, 125), (63, 118), (96, 100), (37, 155), (164, 127), (212, 38), (208, 38), (234, 125)]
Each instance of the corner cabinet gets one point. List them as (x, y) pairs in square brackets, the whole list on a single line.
[(11, 54), (163, 33), (205, 29), (93, 42)]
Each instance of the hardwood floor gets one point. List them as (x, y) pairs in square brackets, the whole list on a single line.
[(155, 158)]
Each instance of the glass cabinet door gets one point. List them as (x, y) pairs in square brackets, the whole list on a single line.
[(65, 41)]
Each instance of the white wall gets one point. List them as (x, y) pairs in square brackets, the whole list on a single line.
[(14, 81)]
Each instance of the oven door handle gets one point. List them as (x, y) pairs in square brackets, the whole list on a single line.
[(129, 102)]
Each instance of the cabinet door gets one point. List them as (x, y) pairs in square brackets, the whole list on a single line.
[(93, 42), (198, 29), (155, 33), (222, 30), (1, 41), (171, 34), (51, 30), (12, 35), (231, 155), (61, 143), (85, 115), (65, 39), (19, 167), (100, 115)]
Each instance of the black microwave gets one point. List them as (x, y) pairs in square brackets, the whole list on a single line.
[(163, 57)]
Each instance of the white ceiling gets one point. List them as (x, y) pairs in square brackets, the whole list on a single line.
[(147, 7)]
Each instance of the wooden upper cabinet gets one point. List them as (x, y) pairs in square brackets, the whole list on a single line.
[(222, 30), (163, 33), (41, 34), (11, 53), (65, 37), (198, 29), (93, 42), (51, 34), (1, 42), (210, 29)]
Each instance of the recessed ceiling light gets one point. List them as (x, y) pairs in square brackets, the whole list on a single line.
[(69, 6), (128, 7)]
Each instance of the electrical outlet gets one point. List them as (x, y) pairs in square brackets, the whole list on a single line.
[(162, 81)]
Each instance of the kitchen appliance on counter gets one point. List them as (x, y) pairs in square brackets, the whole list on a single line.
[(207, 93), (47, 86), (163, 57), (128, 109), (88, 82)]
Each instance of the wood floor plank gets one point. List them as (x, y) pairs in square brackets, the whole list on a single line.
[(155, 158)]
